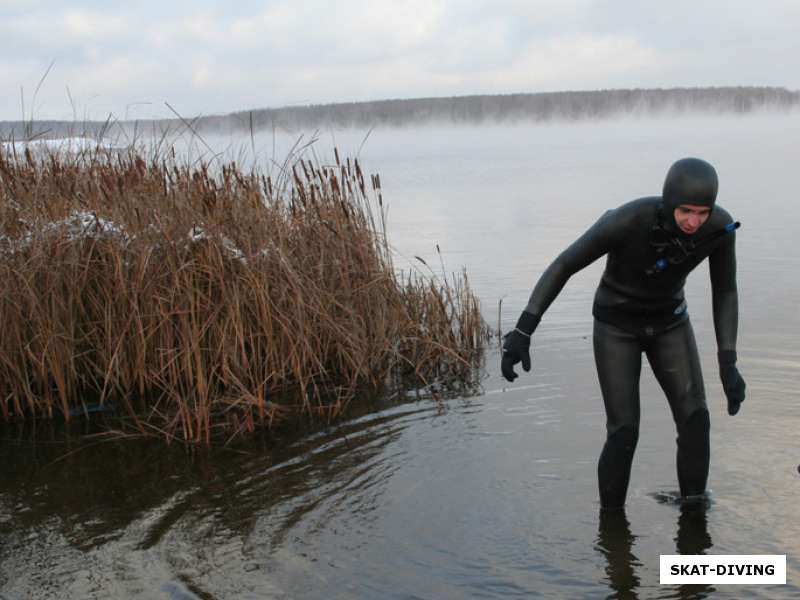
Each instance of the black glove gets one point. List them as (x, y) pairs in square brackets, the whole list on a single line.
[(516, 345), (732, 382)]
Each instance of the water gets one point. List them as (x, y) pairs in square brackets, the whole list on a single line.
[(492, 496)]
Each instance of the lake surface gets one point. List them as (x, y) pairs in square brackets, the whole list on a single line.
[(491, 496)]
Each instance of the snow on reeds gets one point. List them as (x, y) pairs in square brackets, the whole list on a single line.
[(65, 146), (205, 304)]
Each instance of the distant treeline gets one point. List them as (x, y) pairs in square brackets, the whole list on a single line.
[(457, 110), (513, 107)]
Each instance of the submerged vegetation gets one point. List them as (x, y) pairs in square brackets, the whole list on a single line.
[(205, 303)]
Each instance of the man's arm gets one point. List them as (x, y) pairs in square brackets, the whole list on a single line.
[(725, 301), (725, 297), (597, 241)]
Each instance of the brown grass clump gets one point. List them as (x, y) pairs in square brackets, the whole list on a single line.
[(204, 303)]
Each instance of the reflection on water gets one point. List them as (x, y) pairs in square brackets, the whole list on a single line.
[(238, 509), (693, 538), (616, 542)]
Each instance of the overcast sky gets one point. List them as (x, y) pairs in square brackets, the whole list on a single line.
[(211, 57)]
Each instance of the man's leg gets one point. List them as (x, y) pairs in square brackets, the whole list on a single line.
[(618, 356), (676, 364)]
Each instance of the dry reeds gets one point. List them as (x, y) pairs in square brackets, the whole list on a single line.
[(202, 303)]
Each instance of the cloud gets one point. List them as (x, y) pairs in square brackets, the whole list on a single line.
[(578, 61), (93, 26), (252, 54)]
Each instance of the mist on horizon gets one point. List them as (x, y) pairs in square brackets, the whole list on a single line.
[(514, 109)]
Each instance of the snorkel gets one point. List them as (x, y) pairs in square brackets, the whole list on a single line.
[(677, 250), (689, 181)]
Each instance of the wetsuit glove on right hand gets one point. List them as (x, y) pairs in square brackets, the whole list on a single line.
[(516, 345), (732, 381)]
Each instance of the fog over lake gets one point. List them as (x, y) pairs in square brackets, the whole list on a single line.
[(490, 496)]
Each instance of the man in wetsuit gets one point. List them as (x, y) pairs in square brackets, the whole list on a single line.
[(651, 245)]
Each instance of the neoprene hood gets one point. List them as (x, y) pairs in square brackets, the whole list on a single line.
[(690, 181)]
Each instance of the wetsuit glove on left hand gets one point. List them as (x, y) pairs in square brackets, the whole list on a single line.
[(732, 381), (516, 345)]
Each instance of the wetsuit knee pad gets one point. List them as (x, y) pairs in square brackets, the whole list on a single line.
[(624, 439), (696, 428)]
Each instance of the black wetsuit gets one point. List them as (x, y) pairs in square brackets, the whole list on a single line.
[(638, 309)]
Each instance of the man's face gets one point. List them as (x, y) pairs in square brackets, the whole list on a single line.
[(691, 217)]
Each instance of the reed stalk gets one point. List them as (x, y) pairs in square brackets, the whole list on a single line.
[(204, 304)]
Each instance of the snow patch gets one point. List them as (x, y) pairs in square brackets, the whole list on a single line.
[(70, 145)]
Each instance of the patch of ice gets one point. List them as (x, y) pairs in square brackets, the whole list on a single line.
[(70, 145), (197, 234), (78, 225), (86, 224)]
